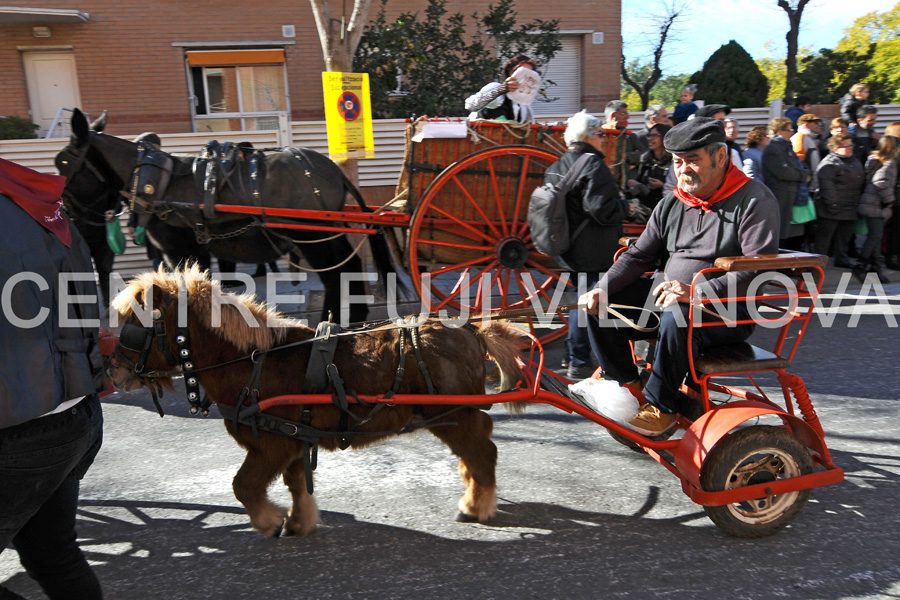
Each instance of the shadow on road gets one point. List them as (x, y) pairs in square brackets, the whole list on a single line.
[(843, 545)]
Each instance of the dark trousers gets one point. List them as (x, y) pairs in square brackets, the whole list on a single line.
[(871, 250), (833, 238), (577, 340), (41, 464), (893, 232), (671, 363)]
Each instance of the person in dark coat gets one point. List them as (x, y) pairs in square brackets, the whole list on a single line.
[(865, 138), (876, 204), (841, 179), (853, 100), (51, 425), (594, 201), (801, 106), (655, 114), (655, 163), (784, 173)]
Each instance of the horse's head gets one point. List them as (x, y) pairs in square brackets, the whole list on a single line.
[(161, 312), (92, 186), (147, 315)]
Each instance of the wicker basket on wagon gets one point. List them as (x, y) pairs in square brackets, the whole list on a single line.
[(496, 193), (484, 193)]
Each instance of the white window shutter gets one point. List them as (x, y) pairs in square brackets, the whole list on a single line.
[(564, 70)]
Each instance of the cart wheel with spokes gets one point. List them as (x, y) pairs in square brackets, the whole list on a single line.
[(469, 234), (757, 454)]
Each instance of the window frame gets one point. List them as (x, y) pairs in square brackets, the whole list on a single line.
[(195, 99)]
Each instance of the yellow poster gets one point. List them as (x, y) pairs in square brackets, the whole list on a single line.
[(348, 114)]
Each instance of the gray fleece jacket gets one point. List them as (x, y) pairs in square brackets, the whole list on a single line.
[(689, 239)]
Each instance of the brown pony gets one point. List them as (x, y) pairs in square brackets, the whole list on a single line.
[(225, 329)]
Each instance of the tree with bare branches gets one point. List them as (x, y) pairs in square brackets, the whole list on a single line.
[(794, 10), (339, 38), (665, 23)]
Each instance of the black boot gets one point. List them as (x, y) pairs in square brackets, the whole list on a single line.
[(860, 271), (893, 262), (879, 270)]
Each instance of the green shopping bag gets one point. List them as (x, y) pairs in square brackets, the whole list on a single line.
[(803, 214), (114, 236)]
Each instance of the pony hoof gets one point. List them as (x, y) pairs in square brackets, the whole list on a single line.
[(276, 533), (462, 517)]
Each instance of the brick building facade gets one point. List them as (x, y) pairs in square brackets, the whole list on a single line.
[(150, 61)]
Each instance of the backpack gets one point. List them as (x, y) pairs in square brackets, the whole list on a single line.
[(547, 217)]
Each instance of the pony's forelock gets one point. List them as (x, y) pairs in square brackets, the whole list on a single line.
[(242, 320)]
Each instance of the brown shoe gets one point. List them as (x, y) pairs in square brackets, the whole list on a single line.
[(651, 421)]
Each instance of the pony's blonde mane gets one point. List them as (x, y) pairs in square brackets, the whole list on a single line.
[(243, 321)]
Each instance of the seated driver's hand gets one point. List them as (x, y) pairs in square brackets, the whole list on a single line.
[(669, 292), (594, 302)]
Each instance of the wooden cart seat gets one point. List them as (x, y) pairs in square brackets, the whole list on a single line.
[(738, 358)]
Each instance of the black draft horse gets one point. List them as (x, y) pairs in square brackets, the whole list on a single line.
[(313, 183), (91, 192)]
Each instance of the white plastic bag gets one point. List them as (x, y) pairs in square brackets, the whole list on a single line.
[(607, 398), (440, 129), (529, 85)]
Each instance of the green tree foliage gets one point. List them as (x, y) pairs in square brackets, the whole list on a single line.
[(15, 128), (731, 77), (426, 64), (876, 36), (667, 90), (774, 67), (828, 74), (868, 53)]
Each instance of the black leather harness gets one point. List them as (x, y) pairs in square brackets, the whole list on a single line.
[(321, 371)]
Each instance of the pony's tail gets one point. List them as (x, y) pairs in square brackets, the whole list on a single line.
[(504, 345), (377, 243)]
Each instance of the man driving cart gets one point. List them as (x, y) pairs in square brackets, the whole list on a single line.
[(714, 211)]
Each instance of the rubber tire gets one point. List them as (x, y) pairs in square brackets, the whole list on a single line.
[(734, 449)]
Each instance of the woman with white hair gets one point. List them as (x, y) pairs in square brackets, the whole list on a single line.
[(595, 211)]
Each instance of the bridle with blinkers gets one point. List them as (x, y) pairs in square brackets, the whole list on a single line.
[(76, 160), (136, 337)]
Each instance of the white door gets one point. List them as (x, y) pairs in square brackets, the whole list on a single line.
[(565, 71), (52, 84)]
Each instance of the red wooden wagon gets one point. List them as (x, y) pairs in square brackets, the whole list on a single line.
[(459, 218), (748, 458)]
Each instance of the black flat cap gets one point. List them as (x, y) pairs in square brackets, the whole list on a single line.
[(711, 109), (693, 134)]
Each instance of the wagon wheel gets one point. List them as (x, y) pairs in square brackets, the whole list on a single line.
[(470, 230), (757, 454)]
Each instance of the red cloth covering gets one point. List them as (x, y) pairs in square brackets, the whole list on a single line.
[(734, 180), (39, 194)]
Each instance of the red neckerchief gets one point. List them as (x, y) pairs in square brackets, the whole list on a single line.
[(734, 180), (39, 194)]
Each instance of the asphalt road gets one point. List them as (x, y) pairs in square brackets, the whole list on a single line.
[(580, 516)]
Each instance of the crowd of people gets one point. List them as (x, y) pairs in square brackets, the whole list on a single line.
[(793, 185)]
